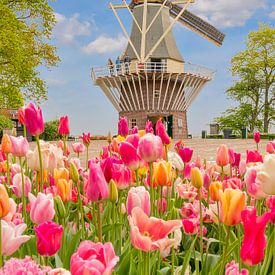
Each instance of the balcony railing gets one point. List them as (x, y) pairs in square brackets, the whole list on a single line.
[(150, 67)]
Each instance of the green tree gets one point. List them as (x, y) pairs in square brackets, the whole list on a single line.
[(254, 85), (51, 131), (25, 30)]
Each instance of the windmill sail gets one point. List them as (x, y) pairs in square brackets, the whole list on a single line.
[(198, 25)]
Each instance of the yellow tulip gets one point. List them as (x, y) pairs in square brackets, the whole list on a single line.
[(64, 189), (162, 174), (61, 173), (196, 177)]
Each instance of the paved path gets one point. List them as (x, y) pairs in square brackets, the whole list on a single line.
[(206, 148)]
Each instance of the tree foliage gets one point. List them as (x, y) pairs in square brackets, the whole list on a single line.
[(25, 29), (5, 123), (254, 86), (51, 131)]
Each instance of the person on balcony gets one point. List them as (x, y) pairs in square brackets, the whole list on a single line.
[(111, 66), (127, 62), (118, 65)]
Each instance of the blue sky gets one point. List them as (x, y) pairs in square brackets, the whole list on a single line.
[(87, 34)]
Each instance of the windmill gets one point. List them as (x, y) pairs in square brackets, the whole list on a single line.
[(157, 82)]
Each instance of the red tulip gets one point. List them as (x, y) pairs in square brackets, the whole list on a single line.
[(63, 128), (254, 242), (97, 187), (86, 138), (237, 158), (149, 127), (107, 166), (34, 120), (134, 130), (129, 155), (185, 154), (21, 116), (123, 129), (161, 132), (178, 145), (253, 156), (93, 258), (49, 235), (257, 136)]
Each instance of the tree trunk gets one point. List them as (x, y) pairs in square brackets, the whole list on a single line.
[(266, 109)]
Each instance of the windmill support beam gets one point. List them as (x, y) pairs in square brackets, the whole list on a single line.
[(133, 17), (143, 33)]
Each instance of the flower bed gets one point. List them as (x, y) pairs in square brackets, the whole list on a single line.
[(140, 207)]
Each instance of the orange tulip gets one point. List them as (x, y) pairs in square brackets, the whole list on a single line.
[(222, 158), (141, 133), (232, 203), (4, 202), (6, 144), (214, 188), (64, 189), (61, 173), (196, 177), (162, 175)]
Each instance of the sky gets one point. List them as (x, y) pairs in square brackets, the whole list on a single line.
[(87, 34)]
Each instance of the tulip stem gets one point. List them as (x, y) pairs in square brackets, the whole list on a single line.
[(87, 156), (166, 152), (201, 237), (225, 249), (1, 258), (40, 163), (273, 268), (25, 131), (80, 205), (137, 179), (152, 194), (99, 222), (64, 145), (23, 189)]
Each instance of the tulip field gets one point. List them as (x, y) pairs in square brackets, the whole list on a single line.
[(142, 206)]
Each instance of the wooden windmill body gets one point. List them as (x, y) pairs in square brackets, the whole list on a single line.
[(157, 83)]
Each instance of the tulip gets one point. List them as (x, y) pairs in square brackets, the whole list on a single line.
[(123, 129), (12, 236), (129, 155), (270, 147), (185, 154), (214, 190), (222, 158), (74, 175), (12, 211), (234, 183), (162, 175), (93, 258), (149, 234), (254, 242), (231, 156), (121, 176), (17, 185), (21, 116), (4, 202), (41, 208), (134, 130), (149, 127), (107, 166), (64, 189), (59, 207), (253, 156), (6, 144), (113, 193), (266, 176), (78, 147), (61, 173), (237, 158), (49, 236), (176, 161), (86, 138), (20, 146), (161, 132), (97, 187), (150, 147), (63, 128), (34, 120), (232, 203), (196, 177), (257, 137), (179, 145), (133, 139), (233, 269)]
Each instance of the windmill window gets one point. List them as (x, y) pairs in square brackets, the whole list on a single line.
[(133, 122), (156, 93)]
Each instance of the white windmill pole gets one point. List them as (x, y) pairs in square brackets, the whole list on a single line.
[(143, 33), (124, 30), (168, 29)]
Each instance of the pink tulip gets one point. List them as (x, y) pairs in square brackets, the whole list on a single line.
[(254, 242), (133, 139), (237, 158), (253, 156), (78, 147), (161, 205), (63, 128), (222, 158), (233, 183), (104, 153), (17, 185), (12, 237), (149, 127), (270, 147), (257, 136), (149, 234), (134, 130), (129, 155), (12, 211), (231, 156), (185, 154), (93, 258), (49, 235), (42, 208), (34, 120), (138, 197), (233, 269), (123, 129), (107, 166), (21, 116), (150, 147), (161, 132), (86, 138), (270, 203), (121, 175), (97, 187), (20, 146), (242, 167)]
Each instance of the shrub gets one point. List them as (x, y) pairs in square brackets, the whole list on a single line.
[(5, 123), (51, 131)]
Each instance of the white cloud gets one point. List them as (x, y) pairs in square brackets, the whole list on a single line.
[(227, 13), (67, 28), (105, 44), (272, 14), (56, 82)]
